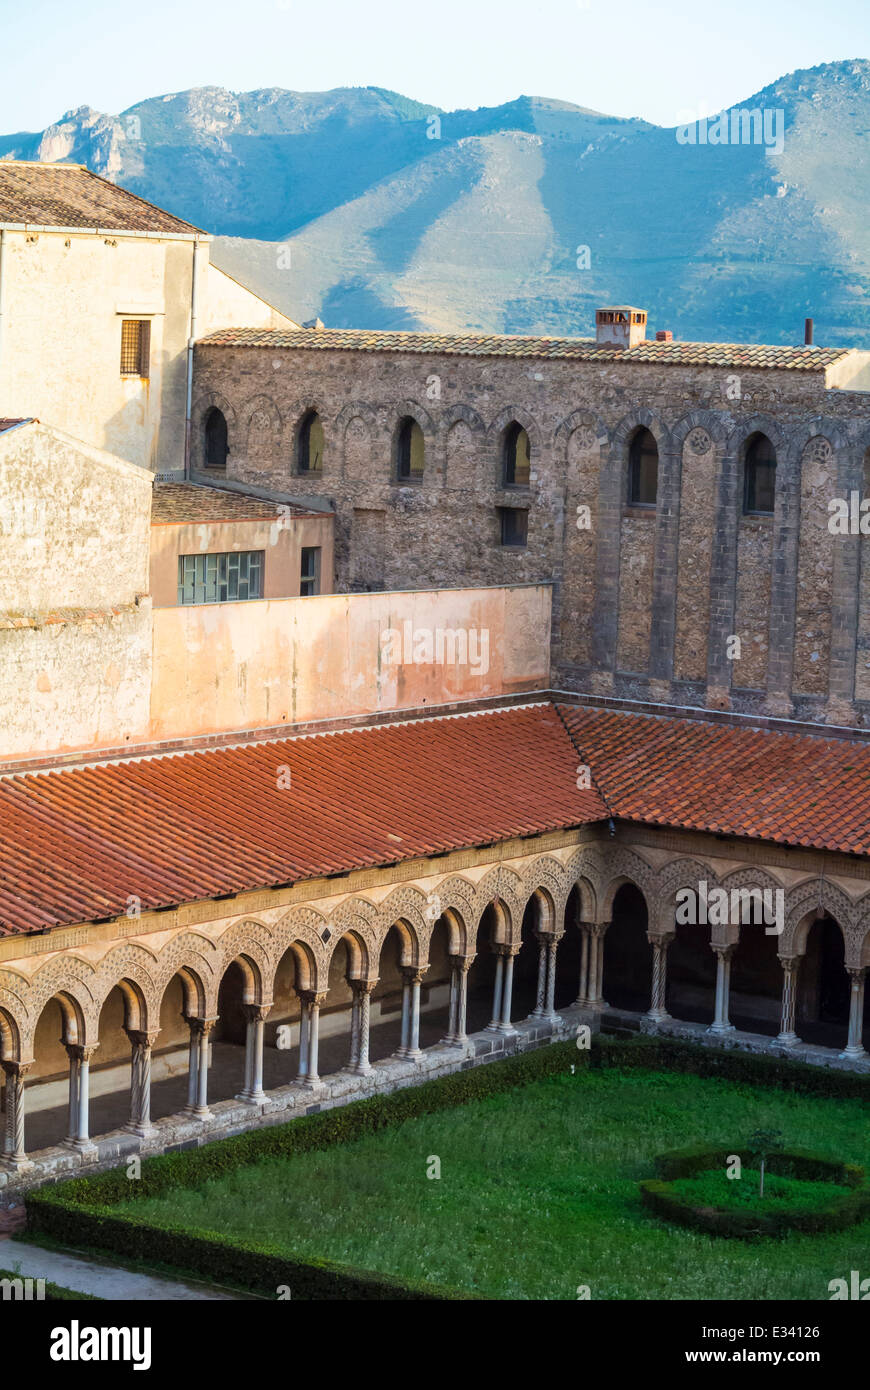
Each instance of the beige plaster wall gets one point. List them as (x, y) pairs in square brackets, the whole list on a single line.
[(258, 664)]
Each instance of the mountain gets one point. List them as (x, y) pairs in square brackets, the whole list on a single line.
[(373, 210)]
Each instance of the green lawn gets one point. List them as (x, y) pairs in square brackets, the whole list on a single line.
[(538, 1193), (781, 1194)]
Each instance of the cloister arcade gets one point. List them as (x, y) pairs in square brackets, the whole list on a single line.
[(176, 1023)]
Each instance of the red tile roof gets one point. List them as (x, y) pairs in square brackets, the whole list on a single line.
[(792, 789), (748, 355), (77, 843), (178, 503), (69, 195)]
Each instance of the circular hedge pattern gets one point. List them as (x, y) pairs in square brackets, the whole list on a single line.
[(841, 1209)]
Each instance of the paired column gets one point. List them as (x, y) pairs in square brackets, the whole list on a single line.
[(79, 1094), (854, 1042), (459, 968), (592, 965), (721, 1022), (309, 1038), (13, 1133), (255, 1026), (140, 1081), (502, 996), (197, 1067), (545, 1008), (787, 1036), (412, 977), (359, 1026)]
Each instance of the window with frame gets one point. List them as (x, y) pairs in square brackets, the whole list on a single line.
[(231, 577), (309, 581), (135, 347), (410, 451), (759, 476), (643, 470), (514, 527), (309, 451), (517, 457)]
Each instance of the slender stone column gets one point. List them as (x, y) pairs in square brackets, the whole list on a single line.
[(721, 1022), (583, 992), (541, 998), (854, 1042), (510, 952), (411, 979), (79, 1094), (203, 1028), (550, 1002), (594, 995), (787, 1036), (460, 966), (255, 1014), (495, 1023), (302, 1074), (362, 998), (355, 1011), (14, 1155), (314, 1002), (141, 1044), (658, 1008), (192, 1066)]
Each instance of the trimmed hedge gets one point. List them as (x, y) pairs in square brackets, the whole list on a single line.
[(842, 1210), (82, 1211)]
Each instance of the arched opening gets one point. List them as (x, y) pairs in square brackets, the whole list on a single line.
[(516, 456), (756, 979), (410, 451), (481, 976), (822, 1012), (568, 957), (643, 469), (691, 973), (227, 1065), (309, 444), (47, 1107), (627, 952), (171, 1057), (759, 476), (216, 445)]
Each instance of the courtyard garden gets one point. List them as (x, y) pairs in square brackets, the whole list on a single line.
[(530, 1192)]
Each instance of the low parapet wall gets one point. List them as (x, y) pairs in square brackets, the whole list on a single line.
[(260, 664)]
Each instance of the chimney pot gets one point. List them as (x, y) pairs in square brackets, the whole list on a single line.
[(664, 335), (620, 325), (808, 332)]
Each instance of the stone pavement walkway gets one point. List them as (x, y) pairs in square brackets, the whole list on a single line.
[(105, 1281)]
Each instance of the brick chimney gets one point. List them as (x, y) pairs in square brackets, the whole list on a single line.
[(621, 325)]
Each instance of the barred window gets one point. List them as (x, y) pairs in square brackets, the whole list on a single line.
[(228, 578), (135, 347), (514, 523)]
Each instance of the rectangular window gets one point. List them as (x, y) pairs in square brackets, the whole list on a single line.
[(309, 583), (514, 527), (228, 578), (135, 347)]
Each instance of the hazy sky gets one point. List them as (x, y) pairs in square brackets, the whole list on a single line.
[(625, 57)]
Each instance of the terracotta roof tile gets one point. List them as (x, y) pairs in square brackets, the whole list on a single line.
[(77, 843), (69, 195), (807, 359), (176, 503), (793, 789)]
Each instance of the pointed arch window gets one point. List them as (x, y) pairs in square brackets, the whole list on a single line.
[(309, 445), (410, 451), (516, 456), (759, 476), (216, 446), (643, 470)]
